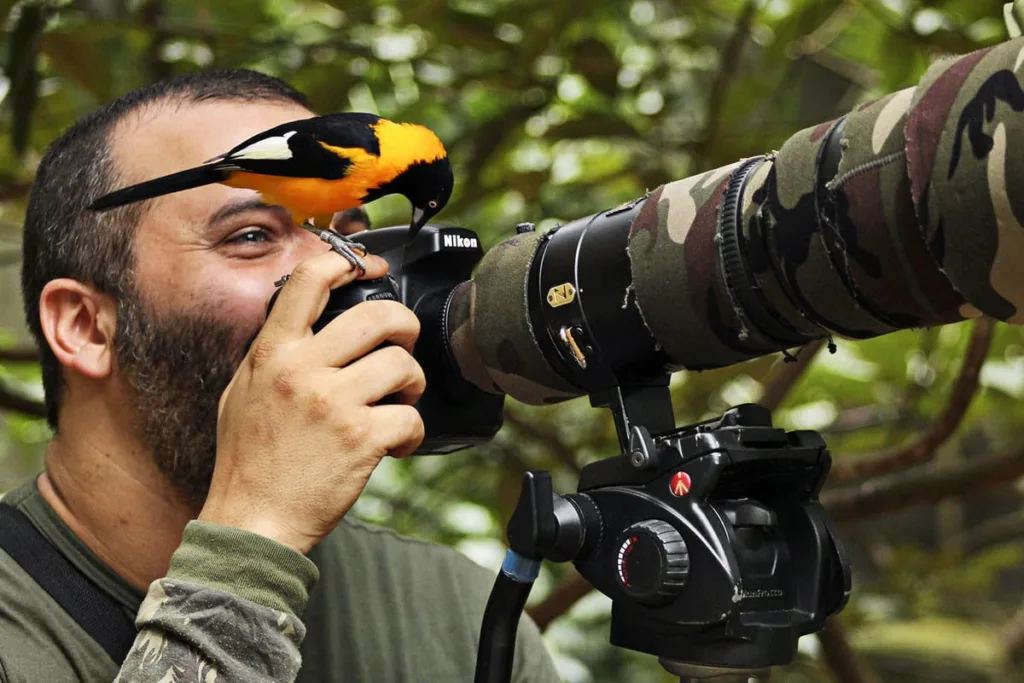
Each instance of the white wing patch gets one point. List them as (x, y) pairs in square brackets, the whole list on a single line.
[(268, 148)]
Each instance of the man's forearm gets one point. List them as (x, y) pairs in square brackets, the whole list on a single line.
[(227, 611), (191, 632)]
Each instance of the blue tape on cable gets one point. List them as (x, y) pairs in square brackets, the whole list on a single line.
[(519, 568)]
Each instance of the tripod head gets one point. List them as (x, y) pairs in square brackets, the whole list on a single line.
[(709, 539)]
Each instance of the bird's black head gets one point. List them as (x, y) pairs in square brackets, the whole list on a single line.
[(412, 162), (428, 186)]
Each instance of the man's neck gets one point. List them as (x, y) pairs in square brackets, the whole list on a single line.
[(115, 500)]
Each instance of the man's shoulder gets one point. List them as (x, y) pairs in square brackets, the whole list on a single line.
[(375, 533), (385, 536), (38, 640), (370, 545)]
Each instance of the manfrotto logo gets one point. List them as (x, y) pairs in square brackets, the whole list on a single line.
[(460, 242), (761, 594)]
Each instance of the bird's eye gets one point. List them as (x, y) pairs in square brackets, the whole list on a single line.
[(432, 204)]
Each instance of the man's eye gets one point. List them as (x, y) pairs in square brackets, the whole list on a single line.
[(253, 236)]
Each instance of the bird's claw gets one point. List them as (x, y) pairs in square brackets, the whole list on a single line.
[(343, 245), (349, 254)]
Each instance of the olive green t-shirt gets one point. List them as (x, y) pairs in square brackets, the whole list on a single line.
[(385, 608)]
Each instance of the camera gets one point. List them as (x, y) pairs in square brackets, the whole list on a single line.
[(423, 276)]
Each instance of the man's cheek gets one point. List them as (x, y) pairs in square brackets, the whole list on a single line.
[(243, 303)]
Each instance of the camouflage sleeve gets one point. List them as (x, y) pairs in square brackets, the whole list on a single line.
[(225, 612)]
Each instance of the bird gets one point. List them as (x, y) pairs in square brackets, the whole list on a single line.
[(319, 166)]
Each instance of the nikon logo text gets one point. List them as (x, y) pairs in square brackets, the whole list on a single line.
[(460, 242)]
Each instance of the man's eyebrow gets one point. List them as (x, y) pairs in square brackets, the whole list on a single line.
[(241, 206)]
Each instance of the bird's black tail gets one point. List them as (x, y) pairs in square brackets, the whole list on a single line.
[(175, 182)]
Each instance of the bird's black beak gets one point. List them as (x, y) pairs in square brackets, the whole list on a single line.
[(419, 219)]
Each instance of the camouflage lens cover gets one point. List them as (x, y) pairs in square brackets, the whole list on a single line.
[(964, 121)]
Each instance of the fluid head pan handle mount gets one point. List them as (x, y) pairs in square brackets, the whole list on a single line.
[(709, 539)]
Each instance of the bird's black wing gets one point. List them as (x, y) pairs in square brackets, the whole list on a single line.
[(296, 149), (353, 129)]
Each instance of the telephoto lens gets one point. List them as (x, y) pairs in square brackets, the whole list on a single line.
[(899, 214)]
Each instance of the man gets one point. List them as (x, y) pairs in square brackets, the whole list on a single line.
[(190, 463)]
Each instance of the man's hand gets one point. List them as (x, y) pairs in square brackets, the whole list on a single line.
[(299, 433)]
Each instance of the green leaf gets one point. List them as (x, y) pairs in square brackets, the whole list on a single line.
[(591, 125), (6, 6), (1013, 14), (473, 30), (23, 72)]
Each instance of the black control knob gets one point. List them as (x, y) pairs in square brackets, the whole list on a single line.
[(652, 563)]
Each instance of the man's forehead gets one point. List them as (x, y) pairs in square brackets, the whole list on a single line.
[(168, 136)]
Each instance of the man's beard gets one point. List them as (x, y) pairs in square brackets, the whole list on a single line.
[(176, 366)]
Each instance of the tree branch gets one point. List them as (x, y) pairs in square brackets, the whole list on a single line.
[(731, 54), (152, 17), (9, 400), (840, 658), (923, 486), (860, 417), (570, 590), (14, 189), (19, 355), (787, 374), (989, 533), (943, 427), (826, 32), (906, 412), (485, 143), (548, 437)]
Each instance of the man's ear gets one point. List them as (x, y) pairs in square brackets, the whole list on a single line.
[(79, 324)]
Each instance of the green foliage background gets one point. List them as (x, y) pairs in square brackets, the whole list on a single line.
[(554, 109)]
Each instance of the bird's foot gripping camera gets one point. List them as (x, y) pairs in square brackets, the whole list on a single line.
[(709, 540)]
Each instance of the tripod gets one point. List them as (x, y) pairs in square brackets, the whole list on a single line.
[(709, 539)]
